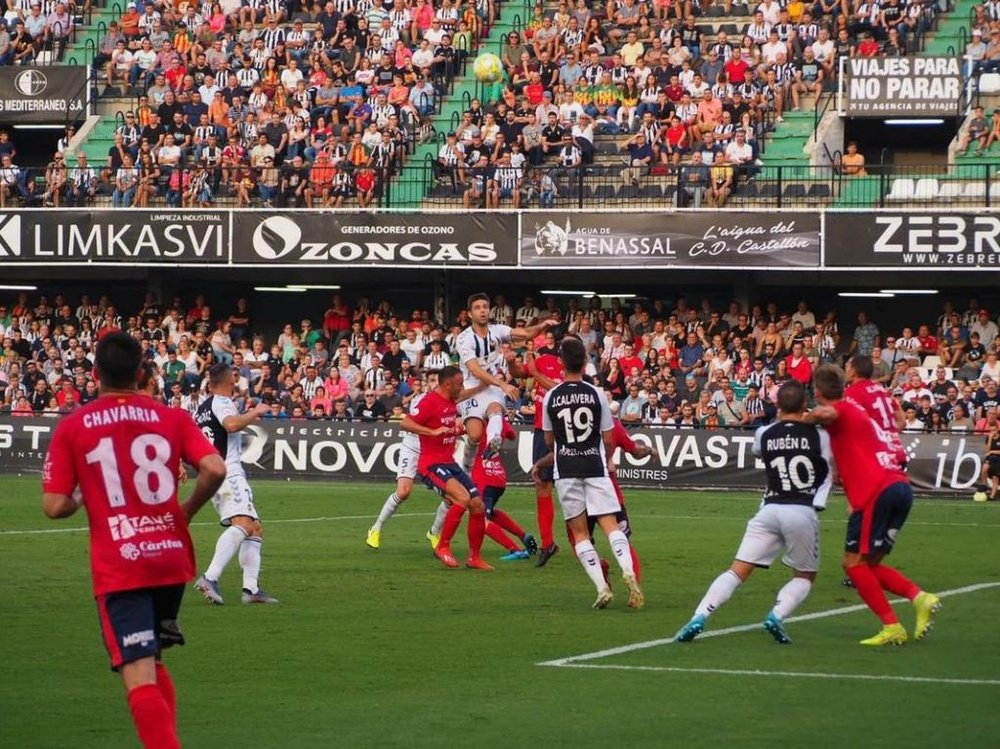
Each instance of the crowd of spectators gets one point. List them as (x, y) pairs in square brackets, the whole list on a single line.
[(685, 366), (32, 26)]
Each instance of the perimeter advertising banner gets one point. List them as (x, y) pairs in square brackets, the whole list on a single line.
[(355, 451), (901, 86), (42, 95), (945, 241), (137, 237), (724, 239), (309, 238)]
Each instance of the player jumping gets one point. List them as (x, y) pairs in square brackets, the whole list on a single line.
[(220, 422), (435, 421), (578, 430), (880, 496), (123, 452), (797, 459)]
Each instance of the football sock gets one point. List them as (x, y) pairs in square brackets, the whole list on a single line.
[(587, 555), (225, 548), (546, 518), (895, 582), (495, 532), (636, 567), (451, 522), (250, 562), (152, 717), (469, 453), (442, 510), (870, 590), (166, 685), (790, 596), (720, 591), (391, 505), (494, 427), (508, 523), (620, 547), (475, 531)]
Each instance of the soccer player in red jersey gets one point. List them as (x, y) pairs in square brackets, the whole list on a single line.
[(435, 421), (490, 477), (877, 403), (880, 496), (120, 457)]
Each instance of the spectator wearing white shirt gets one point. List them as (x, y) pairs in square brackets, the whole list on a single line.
[(291, 75)]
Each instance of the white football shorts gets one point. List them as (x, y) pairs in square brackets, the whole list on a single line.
[(406, 466), (234, 498), (475, 407), (794, 528), (593, 496)]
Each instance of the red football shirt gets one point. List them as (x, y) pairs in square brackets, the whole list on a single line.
[(624, 441), (491, 472), (550, 366), (877, 403), (433, 411), (124, 453), (866, 465)]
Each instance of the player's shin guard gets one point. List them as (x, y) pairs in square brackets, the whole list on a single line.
[(792, 594), (250, 563), (452, 520), (166, 686), (895, 582), (476, 530), (225, 548), (494, 427), (152, 717), (587, 555), (469, 453), (870, 590), (546, 518), (620, 547), (391, 505), (508, 523), (494, 531), (720, 591), (442, 512)]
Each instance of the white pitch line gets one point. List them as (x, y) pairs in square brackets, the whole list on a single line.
[(790, 674), (321, 519), (573, 659), (741, 519)]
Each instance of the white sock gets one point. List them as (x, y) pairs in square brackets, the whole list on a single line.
[(227, 545), (468, 453), (391, 505), (439, 518), (494, 427), (790, 596), (720, 591), (619, 546), (587, 555), (250, 562)]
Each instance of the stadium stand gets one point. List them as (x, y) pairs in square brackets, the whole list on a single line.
[(769, 70), (686, 366)]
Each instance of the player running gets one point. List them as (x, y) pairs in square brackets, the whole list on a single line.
[(406, 471), (490, 477), (435, 421), (578, 430), (220, 422), (797, 459), (880, 496), (119, 457), (481, 357)]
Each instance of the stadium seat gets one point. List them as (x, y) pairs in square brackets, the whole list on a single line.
[(768, 191), (794, 191), (989, 83), (716, 11), (819, 191), (926, 188), (731, 29), (951, 189), (931, 362), (606, 192), (975, 189), (739, 11), (902, 189)]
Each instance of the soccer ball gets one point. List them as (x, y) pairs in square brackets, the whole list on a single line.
[(979, 496), (488, 68)]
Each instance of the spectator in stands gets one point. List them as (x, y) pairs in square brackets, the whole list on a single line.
[(977, 130), (694, 180)]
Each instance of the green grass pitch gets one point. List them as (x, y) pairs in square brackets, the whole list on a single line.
[(387, 648)]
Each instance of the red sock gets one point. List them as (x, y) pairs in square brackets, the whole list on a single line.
[(451, 522), (476, 531), (636, 567), (508, 523), (152, 717), (546, 517), (166, 685), (868, 587), (495, 532), (893, 581)]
